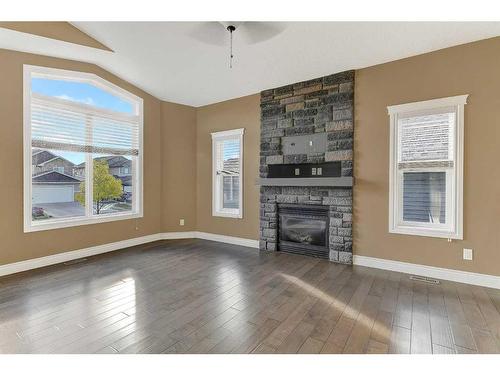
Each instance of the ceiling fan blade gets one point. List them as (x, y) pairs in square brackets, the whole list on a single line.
[(255, 32), (210, 33)]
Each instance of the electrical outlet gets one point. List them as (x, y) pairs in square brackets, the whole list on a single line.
[(319, 171), (297, 171), (467, 254), (181, 222), (313, 171)]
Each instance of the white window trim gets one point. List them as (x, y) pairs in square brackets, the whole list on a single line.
[(137, 187), (217, 209), (456, 231)]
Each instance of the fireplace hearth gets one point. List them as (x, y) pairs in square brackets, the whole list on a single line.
[(304, 229)]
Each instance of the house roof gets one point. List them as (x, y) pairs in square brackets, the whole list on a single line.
[(113, 161), (126, 180), (54, 177), (39, 157)]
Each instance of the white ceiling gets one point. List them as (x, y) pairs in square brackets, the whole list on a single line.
[(164, 59)]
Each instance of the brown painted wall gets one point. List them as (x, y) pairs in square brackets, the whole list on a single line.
[(468, 69), (177, 174), (232, 114), (16, 245), (178, 141)]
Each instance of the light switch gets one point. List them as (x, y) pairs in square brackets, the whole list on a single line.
[(297, 171)]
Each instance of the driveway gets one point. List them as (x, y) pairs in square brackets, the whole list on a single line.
[(73, 209), (66, 209)]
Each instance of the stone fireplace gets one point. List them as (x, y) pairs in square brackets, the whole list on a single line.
[(307, 130)]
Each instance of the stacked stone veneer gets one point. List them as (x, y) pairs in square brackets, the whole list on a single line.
[(320, 105)]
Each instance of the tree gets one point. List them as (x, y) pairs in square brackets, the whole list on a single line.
[(106, 186)]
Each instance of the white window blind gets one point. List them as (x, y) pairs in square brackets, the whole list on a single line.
[(227, 164), (60, 124), (426, 162), (426, 140)]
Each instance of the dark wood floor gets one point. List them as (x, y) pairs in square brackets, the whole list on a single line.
[(194, 296)]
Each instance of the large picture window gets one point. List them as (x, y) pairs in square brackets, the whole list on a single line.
[(426, 175), (227, 158), (82, 150)]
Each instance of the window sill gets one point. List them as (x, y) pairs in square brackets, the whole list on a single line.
[(426, 233), (228, 214), (74, 222)]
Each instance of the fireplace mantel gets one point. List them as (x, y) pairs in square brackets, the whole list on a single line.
[(307, 181)]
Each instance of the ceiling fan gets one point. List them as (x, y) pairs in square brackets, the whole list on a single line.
[(250, 32)]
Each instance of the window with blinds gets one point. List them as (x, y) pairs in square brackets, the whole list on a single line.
[(227, 173), (81, 134), (426, 167), (65, 125)]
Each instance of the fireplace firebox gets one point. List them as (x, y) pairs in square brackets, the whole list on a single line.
[(304, 229)]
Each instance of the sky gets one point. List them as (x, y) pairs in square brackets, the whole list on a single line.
[(82, 93), (231, 149)]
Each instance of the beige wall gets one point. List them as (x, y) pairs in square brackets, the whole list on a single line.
[(468, 69), (232, 114), (15, 245), (177, 174), (178, 137)]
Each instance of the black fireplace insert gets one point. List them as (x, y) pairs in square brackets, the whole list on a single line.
[(304, 229)]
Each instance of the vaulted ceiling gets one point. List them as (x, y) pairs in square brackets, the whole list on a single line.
[(188, 62)]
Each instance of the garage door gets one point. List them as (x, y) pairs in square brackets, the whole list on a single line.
[(52, 194)]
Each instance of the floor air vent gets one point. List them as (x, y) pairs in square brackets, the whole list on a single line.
[(424, 279), (76, 261)]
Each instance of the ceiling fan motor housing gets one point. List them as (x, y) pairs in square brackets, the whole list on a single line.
[(230, 25)]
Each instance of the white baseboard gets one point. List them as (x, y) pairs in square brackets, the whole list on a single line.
[(385, 264), (227, 239), (30, 264), (480, 279), (177, 235), (211, 237)]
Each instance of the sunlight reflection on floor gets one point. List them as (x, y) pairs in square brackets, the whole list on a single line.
[(348, 311)]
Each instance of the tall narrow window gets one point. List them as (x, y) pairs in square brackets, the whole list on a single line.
[(427, 168), (81, 132), (227, 158)]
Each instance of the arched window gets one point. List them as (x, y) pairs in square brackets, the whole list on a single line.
[(82, 150)]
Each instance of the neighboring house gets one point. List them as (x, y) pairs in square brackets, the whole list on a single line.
[(52, 178), (119, 166), (54, 187), (231, 182), (45, 161)]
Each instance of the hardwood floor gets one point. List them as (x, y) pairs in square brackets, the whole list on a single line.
[(195, 296)]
